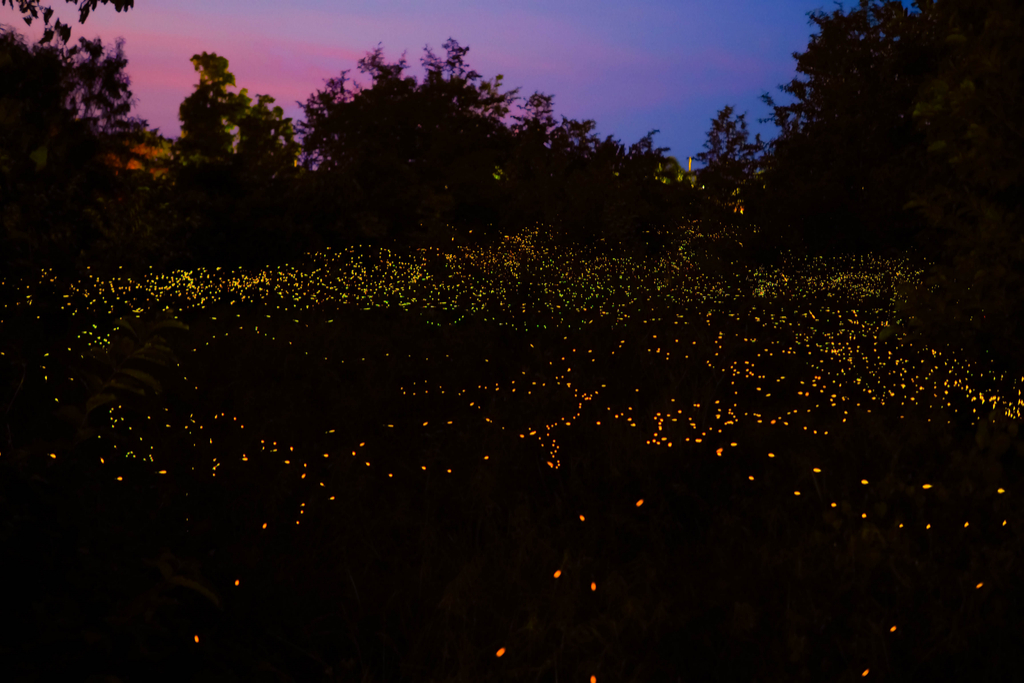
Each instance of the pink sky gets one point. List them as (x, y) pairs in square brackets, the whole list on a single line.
[(631, 67)]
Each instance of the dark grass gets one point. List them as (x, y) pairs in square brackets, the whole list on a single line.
[(425, 575)]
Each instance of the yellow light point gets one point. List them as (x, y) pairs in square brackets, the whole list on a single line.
[(593, 586), (53, 455), (965, 524), (719, 452), (558, 572), (771, 455), (581, 518), (264, 525), (236, 582), (162, 472), (500, 652), (927, 486), (892, 629), (796, 493), (593, 679), (865, 673), (817, 470), (1000, 491), (119, 479), (864, 481)]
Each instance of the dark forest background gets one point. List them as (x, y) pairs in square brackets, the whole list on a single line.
[(903, 137)]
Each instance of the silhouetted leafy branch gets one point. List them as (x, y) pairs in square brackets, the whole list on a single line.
[(119, 377)]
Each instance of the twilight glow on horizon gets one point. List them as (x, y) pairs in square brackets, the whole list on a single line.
[(632, 67)]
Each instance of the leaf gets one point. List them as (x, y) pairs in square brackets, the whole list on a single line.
[(70, 414), (165, 568), (116, 384), (39, 157), (125, 346), (92, 382), (152, 356), (196, 586), (142, 377), (121, 322), (169, 323), (85, 433), (157, 347), (101, 354), (98, 400)]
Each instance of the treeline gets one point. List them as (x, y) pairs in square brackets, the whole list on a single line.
[(398, 163), (902, 134)]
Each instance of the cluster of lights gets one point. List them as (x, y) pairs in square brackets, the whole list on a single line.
[(824, 312)]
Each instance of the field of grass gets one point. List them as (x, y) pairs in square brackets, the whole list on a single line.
[(521, 463)]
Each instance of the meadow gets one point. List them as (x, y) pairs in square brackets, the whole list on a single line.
[(520, 462)]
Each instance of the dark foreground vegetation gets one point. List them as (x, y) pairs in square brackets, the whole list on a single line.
[(422, 396)]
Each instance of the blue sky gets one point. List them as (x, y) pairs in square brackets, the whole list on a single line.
[(631, 67)]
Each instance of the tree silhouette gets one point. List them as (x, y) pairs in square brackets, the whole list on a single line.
[(848, 155), (970, 114), (234, 169), (210, 115), (405, 155), (415, 161), (731, 160), (31, 8), (65, 112)]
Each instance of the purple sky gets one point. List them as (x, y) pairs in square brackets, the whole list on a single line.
[(629, 66)]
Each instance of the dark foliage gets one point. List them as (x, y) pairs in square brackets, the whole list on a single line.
[(970, 112), (425, 576), (60, 109), (31, 8), (848, 154)]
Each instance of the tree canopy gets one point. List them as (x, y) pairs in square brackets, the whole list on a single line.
[(848, 154), (970, 114), (30, 9), (63, 112)]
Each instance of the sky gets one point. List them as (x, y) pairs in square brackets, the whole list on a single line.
[(631, 66)]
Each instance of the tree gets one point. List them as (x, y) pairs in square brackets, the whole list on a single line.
[(730, 160), (219, 126), (235, 165), (408, 160), (404, 157), (61, 117), (970, 116), (210, 115), (31, 9), (848, 155)]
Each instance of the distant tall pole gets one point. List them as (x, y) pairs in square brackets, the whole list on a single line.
[(691, 164)]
